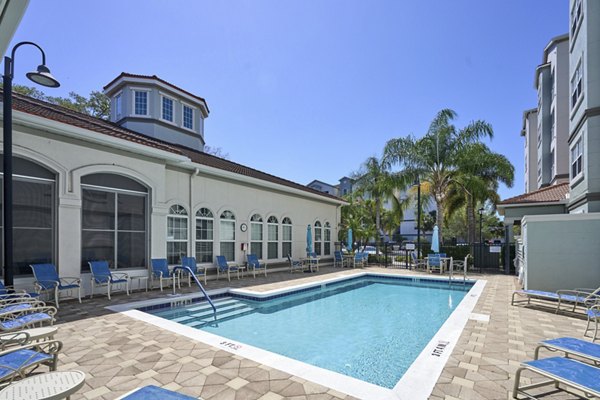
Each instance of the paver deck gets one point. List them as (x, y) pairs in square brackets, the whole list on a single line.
[(119, 353)]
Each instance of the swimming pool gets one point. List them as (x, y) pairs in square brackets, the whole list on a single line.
[(371, 328)]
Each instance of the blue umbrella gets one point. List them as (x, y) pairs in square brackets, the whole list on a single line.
[(435, 240), (349, 240), (308, 241)]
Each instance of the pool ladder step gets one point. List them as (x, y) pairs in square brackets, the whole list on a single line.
[(201, 314)]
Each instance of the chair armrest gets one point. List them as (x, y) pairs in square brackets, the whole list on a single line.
[(48, 347), (14, 338), (46, 283), (51, 311), (120, 275)]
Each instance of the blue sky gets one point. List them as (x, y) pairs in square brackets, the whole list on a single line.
[(309, 89)]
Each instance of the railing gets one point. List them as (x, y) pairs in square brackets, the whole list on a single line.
[(189, 271)]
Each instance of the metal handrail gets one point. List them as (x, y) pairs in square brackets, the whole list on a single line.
[(189, 270)]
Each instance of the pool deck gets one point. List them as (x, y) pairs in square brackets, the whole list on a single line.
[(119, 353)]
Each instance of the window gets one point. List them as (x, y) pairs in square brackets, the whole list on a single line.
[(576, 14), (113, 221), (140, 102), (327, 239), (256, 235), (577, 159), (34, 226), (318, 237), (286, 237), (272, 237), (167, 109), (188, 117), (227, 235), (204, 235), (177, 234), (577, 84), (119, 105)]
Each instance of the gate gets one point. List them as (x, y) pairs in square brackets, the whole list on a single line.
[(493, 257)]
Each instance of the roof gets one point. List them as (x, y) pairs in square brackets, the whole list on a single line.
[(154, 77), (550, 194), (67, 116)]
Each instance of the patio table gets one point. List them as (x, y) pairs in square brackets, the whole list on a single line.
[(49, 386)]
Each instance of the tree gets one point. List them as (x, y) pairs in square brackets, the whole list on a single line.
[(216, 151), (434, 157), (96, 105), (375, 181)]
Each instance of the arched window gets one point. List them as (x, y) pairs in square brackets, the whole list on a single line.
[(256, 235), (286, 237), (272, 237), (327, 239), (227, 235), (34, 215), (114, 221), (204, 235), (177, 234), (318, 238)]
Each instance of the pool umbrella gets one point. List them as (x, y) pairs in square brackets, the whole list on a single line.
[(435, 241), (308, 241), (349, 240)]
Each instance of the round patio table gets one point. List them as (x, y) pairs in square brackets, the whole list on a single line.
[(49, 386)]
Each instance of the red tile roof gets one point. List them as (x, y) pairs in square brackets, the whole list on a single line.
[(550, 194), (61, 114), (128, 75)]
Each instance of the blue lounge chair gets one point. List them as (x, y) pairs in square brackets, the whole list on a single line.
[(191, 263), (152, 392), (26, 318), (9, 292), (160, 271), (47, 280), (295, 265), (102, 276), (593, 315), (255, 265), (313, 261), (18, 362), (434, 262), (416, 262), (571, 346), (563, 371), (584, 298), (224, 267)]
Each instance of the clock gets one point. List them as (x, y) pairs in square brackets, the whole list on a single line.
[(243, 227)]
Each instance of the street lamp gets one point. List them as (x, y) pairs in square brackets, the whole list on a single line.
[(481, 210), (41, 76), (418, 183)]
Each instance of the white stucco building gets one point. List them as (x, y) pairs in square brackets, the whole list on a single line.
[(140, 187)]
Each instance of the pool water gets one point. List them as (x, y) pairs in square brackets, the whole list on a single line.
[(370, 328)]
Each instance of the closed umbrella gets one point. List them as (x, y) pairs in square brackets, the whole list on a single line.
[(349, 240), (435, 240), (309, 248)]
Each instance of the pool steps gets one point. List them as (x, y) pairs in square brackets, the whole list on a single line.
[(201, 314)]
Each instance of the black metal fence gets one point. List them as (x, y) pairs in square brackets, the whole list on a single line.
[(484, 257)]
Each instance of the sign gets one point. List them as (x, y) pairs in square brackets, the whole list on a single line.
[(409, 246), (495, 249)]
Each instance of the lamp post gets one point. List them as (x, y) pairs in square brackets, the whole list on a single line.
[(418, 183), (481, 210), (42, 77)]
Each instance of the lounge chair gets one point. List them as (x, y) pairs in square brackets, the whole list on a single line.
[(593, 315), (224, 267), (26, 318), (296, 265), (560, 371), (160, 271), (102, 276), (571, 346), (47, 280), (9, 292), (338, 259), (434, 262), (191, 263), (578, 297), (255, 265), (18, 362), (417, 263), (152, 392), (359, 259), (313, 261)]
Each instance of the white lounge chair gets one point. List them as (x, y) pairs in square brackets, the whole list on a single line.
[(578, 297)]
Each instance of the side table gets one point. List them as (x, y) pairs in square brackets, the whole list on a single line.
[(50, 386)]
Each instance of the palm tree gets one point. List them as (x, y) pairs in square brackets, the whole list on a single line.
[(434, 158), (375, 181)]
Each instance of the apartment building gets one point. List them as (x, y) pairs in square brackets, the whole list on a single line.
[(529, 132), (584, 105)]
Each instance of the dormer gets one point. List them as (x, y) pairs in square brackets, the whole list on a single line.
[(157, 108)]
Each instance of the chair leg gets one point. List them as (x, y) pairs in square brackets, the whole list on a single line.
[(79, 293), (56, 294), (108, 285), (92, 291)]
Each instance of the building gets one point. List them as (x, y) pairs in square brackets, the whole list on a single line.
[(584, 102), (11, 13), (529, 132), (343, 188), (140, 187)]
